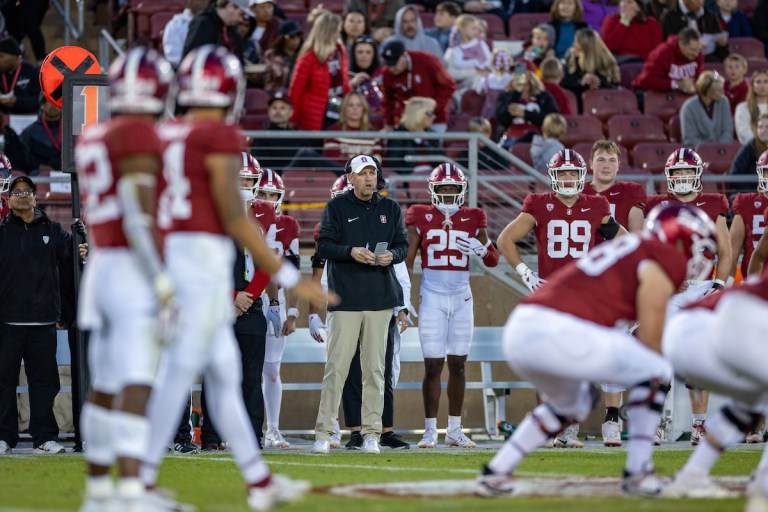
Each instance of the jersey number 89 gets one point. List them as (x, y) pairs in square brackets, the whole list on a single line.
[(568, 238)]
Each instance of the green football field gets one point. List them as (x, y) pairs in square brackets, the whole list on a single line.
[(213, 483)]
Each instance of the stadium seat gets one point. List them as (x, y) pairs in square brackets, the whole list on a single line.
[(651, 156), (664, 105), (719, 67), (308, 186), (582, 129), (747, 6), (629, 130), (254, 122), (520, 24), (496, 29), (674, 131), (458, 122), (572, 101), (293, 5), (256, 101), (157, 24), (522, 150), (139, 14), (605, 103), (336, 6), (717, 158), (472, 103), (629, 71), (749, 47)]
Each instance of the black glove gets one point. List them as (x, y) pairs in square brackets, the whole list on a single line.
[(79, 227)]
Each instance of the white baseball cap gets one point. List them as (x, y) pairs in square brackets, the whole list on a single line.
[(244, 6), (360, 162), (257, 2)]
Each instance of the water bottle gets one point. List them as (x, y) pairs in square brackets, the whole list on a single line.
[(505, 428)]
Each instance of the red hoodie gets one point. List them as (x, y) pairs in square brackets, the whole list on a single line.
[(665, 65)]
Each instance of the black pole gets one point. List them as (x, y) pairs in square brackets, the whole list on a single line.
[(80, 338)]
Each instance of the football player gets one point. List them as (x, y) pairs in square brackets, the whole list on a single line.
[(567, 223), (683, 170), (757, 261), (446, 234), (119, 162), (200, 207), (748, 224), (5, 184), (627, 202), (573, 321)]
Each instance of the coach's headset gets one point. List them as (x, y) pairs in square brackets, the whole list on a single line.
[(381, 183)]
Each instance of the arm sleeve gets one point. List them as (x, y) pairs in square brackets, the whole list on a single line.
[(299, 82), (401, 273), (655, 74)]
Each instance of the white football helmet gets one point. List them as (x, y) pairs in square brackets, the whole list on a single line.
[(5, 174), (567, 160), (684, 158), (762, 167), (447, 174), (272, 182), (250, 170)]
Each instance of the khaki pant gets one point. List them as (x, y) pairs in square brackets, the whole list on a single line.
[(345, 329)]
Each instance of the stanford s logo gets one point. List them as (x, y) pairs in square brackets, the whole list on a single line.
[(550, 207), (383, 219), (428, 217), (46, 239)]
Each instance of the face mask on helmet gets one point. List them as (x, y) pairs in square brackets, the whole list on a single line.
[(567, 187), (448, 202), (684, 183), (5, 179), (762, 169), (340, 186), (702, 258), (250, 174), (271, 188)]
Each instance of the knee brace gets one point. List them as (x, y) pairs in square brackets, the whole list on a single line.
[(131, 435), (98, 431), (549, 421), (729, 426), (650, 393)]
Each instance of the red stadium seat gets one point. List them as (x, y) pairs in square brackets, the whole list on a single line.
[(139, 14), (496, 29), (582, 129), (336, 6), (520, 24), (605, 103), (522, 150), (256, 101), (651, 156), (472, 103), (674, 131), (664, 105), (458, 122), (572, 101), (254, 122), (717, 158), (308, 186), (157, 24), (293, 5), (747, 6), (629, 71), (749, 47), (630, 130)]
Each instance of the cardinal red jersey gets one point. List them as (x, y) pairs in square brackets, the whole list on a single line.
[(602, 286), (265, 215), (287, 233), (438, 249), (98, 154), (3, 209), (621, 196), (186, 201), (713, 205), (751, 206), (564, 233)]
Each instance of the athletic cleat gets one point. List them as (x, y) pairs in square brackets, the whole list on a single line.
[(392, 440), (491, 485), (321, 446), (371, 445), (429, 440), (355, 441), (274, 439), (697, 432), (643, 483), (696, 485), (213, 447), (185, 448), (754, 436), (568, 438), (458, 440), (50, 447), (611, 433), (281, 489), (335, 441), (5, 448)]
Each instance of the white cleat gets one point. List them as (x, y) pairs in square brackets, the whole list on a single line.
[(281, 489), (754, 436), (568, 438), (643, 483), (371, 445), (321, 446), (458, 440), (429, 440), (696, 485), (611, 433), (491, 485), (274, 439), (335, 441), (5, 448), (50, 447)]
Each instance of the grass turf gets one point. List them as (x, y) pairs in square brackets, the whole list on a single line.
[(213, 483)]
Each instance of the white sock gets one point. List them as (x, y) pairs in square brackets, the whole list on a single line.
[(130, 488), (642, 426), (699, 417), (526, 438), (97, 432), (272, 387), (430, 424), (99, 486), (454, 423)]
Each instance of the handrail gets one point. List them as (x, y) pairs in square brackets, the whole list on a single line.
[(69, 27), (105, 42)]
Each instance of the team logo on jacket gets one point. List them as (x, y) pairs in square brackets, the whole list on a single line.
[(428, 217), (550, 207), (45, 240), (383, 219)]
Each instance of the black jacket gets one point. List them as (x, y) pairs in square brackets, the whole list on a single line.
[(349, 222), (32, 258), (547, 105), (674, 20), (207, 28), (38, 148), (744, 164), (26, 90)]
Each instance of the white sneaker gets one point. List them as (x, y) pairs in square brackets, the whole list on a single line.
[(50, 447), (611, 433), (754, 436), (371, 445), (568, 438), (335, 441), (458, 440), (280, 490), (429, 440), (274, 439), (5, 448), (321, 446), (696, 485)]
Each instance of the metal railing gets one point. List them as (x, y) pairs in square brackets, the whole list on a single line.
[(65, 11), (107, 43)]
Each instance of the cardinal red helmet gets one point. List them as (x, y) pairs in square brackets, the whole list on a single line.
[(684, 158), (210, 76), (762, 167), (567, 160), (5, 174), (249, 170), (139, 82), (681, 222), (271, 182), (340, 186), (447, 174)]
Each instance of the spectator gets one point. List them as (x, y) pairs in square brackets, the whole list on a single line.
[(215, 26), (468, 60), (706, 117), (541, 44), (546, 145), (495, 81), (5, 183), (418, 116), (487, 158), (733, 20), (736, 88), (760, 22), (381, 13), (596, 11), (745, 162), (353, 24), (567, 16), (445, 17), (12, 147), (320, 77), (657, 8), (267, 24), (42, 139), (34, 252), (551, 75), (747, 112), (503, 9), (412, 73), (21, 87), (250, 51), (691, 14), (278, 153), (590, 65), (175, 31), (25, 19), (409, 31), (674, 65), (281, 58), (364, 313), (629, 32), (365, 75), (523, 105)]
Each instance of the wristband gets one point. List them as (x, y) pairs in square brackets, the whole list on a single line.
[(521, 269), (294, 312), (288, 276), (718, 284)]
